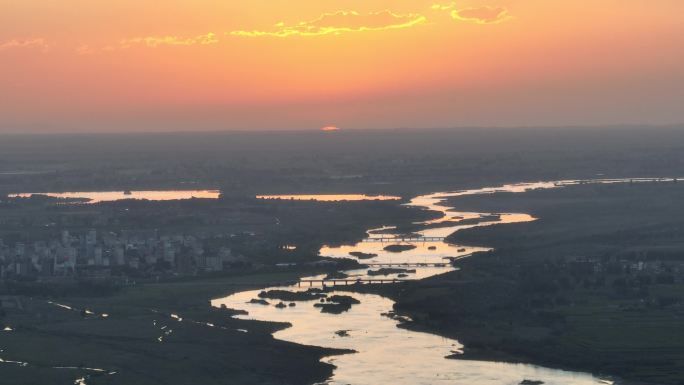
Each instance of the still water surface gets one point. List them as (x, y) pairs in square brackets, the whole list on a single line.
[(387, 354), (330, 197), (109, 196), (167, 195)]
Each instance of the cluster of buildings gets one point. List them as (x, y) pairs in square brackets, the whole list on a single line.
[(645, 265), (93, 254)]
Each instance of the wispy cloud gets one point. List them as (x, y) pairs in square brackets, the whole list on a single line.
[(157, 41), (481, 15), (443, 7), (34, 43), (331, 23), (340, 22)]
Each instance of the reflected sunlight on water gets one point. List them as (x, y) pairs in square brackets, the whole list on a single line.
[(109, 196), (330, 197), (385, 352)]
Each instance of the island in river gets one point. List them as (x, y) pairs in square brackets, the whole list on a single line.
[(165, 333), (567, 290), (578, 290), (594, 283), (379, 363)]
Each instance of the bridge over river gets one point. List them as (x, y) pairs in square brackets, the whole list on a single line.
[(350, 281), (407, 264), (403, 239)]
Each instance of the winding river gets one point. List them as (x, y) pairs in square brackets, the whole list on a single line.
[(387, 354)]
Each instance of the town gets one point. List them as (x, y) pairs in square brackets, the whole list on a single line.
[(93, 255), (61, 241)]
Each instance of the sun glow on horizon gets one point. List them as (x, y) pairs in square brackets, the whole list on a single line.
[(364, 64)]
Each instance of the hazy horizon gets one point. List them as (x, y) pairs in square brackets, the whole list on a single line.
[(340, 130)]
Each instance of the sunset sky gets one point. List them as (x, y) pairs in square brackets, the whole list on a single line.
[(142, 65)]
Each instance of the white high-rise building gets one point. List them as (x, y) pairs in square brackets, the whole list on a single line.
[(119, 258), (20, 250), (66, 238), (91, 237), (169, 253), (97, 255)]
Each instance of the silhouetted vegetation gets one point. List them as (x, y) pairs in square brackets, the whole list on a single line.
[(594, 283)]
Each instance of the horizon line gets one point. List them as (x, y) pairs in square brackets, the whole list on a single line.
[(344, 130)]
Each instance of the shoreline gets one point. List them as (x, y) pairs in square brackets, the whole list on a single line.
[(475, 349), (501, 355), (206, 343)]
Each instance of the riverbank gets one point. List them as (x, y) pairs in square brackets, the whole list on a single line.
[(371, 320), (591, 285), (156, 334), (142, 339), (554, 292)]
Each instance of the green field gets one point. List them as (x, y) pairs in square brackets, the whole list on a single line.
[(126, 342), (535, 299)]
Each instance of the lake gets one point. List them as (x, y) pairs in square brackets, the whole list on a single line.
[(109, 196)]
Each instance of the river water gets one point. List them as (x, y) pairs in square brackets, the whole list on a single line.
[(331, 197), (387, 354)]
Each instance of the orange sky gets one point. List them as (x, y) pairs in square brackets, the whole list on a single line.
[(142, 65)]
